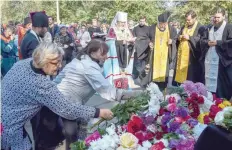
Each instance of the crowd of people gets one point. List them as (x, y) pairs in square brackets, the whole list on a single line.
[(50, 71)]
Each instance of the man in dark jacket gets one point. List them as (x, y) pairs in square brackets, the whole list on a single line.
[(53, 28), (33, 36)]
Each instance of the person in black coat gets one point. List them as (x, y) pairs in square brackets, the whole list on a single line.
[(33, 37)]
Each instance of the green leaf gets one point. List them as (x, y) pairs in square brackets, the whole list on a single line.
[(79, 145)]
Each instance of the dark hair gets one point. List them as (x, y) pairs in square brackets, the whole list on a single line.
[(142, 17), (16, 23), (11, 23), (83, 25), (192, 13), (219, 10), (94, 46)]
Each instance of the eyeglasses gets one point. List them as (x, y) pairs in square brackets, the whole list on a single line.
[(56, 64)]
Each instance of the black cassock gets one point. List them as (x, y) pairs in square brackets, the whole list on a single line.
[(195, 68), (145, 79), (224, 51), (141, 46)]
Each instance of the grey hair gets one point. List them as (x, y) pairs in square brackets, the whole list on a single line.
[(45, 52)]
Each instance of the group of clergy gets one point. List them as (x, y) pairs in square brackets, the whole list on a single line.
[(162, 55)]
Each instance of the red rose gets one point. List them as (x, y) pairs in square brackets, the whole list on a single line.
[(206, 119), (161, 111), (138, 122), (200, 100), (215, 108), (140, 136), (218, 101), (212, 114), (158, 146), (159, 135), (135, 125), (149, 136), (131, 127), (171, 100), (195, 113), (189, 100), (214, 97), (194, 96)]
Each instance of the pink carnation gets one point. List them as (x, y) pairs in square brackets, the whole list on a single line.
[(171, 107), (96, 135)]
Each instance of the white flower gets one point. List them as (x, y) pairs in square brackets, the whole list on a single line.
[(111, 130), (206, 106), (209, 96), (219, 118), (154, 110), (119, 129), (142, 148), (165, 141), (152, 128), (94, 145), (198, 129), (159, 120), (104, 144), (122, 148), (153, 88), (146, 144)]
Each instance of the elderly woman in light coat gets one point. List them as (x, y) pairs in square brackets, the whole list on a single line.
[(26, 89)]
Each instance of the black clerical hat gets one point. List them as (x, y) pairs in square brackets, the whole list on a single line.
[(164, 17), (39, 19)]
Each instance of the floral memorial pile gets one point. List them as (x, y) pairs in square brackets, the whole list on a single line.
[(173, 120)]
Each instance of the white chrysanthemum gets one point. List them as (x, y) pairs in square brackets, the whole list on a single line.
[(142, 148), (119, 129), (153, 110), (104, 143), (94, 145), (219, 118), (111, 130), (146, 144), (152, 87)]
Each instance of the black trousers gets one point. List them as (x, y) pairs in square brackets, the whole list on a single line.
[(47, 131), (121, 53), (71, 129)]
